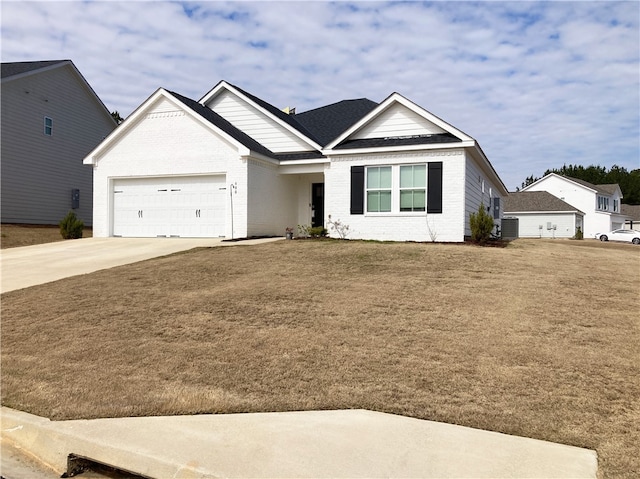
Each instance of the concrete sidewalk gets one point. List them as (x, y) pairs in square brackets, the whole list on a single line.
[(318, 444), (31, 265)]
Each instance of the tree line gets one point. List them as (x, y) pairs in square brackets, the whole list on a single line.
[(629, 181)]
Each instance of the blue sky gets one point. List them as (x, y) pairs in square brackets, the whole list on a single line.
[(538, 84)]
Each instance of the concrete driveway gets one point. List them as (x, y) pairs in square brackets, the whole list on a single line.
[(38, 264)]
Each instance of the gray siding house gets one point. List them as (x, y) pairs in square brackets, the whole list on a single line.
[(51, 119)]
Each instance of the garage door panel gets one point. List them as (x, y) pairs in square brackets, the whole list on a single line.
[(179, 206)]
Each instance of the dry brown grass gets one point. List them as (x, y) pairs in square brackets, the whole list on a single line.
[(27, 235), (540, 339)]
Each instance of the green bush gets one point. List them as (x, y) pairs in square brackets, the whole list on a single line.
[(579, 234), (71, 227), (317, 231), (481, 225)]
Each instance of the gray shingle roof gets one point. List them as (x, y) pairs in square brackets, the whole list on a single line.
[(609, 189), (328, 122), (524, 201), (633, 211), (17, 68)]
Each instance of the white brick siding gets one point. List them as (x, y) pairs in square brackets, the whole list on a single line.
[(447, 226), (166, 143), (272, 200)]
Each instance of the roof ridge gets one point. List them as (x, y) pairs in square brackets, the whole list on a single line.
[(336, 103)]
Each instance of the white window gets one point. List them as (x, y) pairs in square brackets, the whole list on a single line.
[(615, 205), (48, 126), (603, 203), (398, 188), (378, 189), (413, 181)]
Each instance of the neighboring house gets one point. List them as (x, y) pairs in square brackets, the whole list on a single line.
[(632, 212), (542, 215), (51, 118), (233, 165), (600, 203)]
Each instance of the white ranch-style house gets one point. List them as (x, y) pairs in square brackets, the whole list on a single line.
[(232, 165)]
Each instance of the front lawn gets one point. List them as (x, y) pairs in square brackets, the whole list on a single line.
[(28, 235), (540, 339)]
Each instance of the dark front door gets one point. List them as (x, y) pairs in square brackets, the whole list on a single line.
[(317, 204)]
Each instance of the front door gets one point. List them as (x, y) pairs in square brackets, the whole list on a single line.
[(317, 204)]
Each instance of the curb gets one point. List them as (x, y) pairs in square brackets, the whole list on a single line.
[(51, 442)]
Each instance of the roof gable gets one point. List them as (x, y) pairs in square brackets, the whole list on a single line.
[(224, 125), (397, 118), (200, 113), (167, 100), (18, 70), (270, 126)]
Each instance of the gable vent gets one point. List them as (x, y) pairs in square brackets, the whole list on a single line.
[(407, 137)]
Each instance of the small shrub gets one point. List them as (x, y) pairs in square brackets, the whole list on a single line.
[(481, 224), (317, 231), (339, 227), (579, 234), (303, 231), (71, 227)]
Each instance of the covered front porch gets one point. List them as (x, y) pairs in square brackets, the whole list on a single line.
[(308, 183)]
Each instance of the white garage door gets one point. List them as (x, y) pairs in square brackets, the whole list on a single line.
[(178, 206)]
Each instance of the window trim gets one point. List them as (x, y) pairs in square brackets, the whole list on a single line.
[(412, 188), (48, 126), (368, 189), (603, 203)]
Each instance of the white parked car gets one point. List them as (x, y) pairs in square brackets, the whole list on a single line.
[(629, 236)]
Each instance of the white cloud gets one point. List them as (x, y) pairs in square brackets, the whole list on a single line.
[(538, 84)]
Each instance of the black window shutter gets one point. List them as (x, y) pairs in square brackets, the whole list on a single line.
[(434, 187), (496, 208), (357, 190)]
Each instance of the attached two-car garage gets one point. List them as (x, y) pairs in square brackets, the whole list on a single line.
[(191, 206)]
